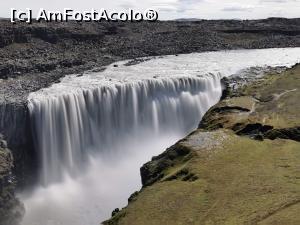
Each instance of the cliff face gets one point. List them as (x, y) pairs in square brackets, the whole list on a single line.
[(240, 167), (11, 210), (15, 126)]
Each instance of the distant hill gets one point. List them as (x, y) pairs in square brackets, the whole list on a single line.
[(188, 19)]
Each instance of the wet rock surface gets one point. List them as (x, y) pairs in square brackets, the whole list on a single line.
[(15, 127)]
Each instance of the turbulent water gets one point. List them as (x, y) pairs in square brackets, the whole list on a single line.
[(94, 131)]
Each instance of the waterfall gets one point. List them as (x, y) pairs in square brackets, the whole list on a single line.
[(98, 112), (93, 132), (70, 127)]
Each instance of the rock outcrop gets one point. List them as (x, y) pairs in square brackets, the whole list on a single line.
[(16, 128), (11, 210)]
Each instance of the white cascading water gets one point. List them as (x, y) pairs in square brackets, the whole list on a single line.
[(71, 127), (94, 131)]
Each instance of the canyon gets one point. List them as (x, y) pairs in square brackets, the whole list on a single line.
[(75, 48)]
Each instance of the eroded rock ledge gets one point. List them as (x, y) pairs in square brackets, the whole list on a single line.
[(240, 167)]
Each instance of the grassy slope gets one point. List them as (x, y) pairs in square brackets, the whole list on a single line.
[(225, 178), (280, 99)]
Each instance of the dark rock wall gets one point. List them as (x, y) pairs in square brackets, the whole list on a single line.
[(11, 210), (15, 127)]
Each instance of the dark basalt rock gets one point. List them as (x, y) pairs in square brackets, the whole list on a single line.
[(15, 127), (229, 109), (286, 133), (254, 129), (133, 197), (11, 210), (226, 89), (115, 211), (154, 170), (259, 132)]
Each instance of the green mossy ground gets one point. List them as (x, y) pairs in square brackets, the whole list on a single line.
[(224, 178)]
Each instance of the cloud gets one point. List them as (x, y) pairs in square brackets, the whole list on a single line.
[(190, 1), (239, 7), (166, 6), (279, 1), (187, 5), (277, 13), (172, 9), (126, 5)]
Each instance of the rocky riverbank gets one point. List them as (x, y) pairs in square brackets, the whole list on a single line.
[(240, 167), (34, 56)]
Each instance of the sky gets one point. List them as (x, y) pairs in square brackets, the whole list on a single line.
[(170, 9)]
